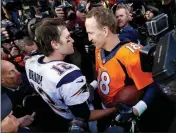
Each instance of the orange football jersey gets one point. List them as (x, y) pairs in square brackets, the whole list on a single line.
[(113, 70)]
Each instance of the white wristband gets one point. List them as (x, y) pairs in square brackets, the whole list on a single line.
[(94, 84), (141, 106)]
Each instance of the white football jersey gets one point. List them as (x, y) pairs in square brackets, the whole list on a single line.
[(59, 83)]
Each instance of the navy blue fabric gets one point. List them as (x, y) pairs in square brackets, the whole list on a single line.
[(69, 78), (151, 92), (6, 106), (129, 33)]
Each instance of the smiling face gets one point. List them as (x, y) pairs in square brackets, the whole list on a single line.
[(95, 32)]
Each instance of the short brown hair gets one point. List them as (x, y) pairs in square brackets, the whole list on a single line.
[(47, 32), (127, 8), (104, 17)]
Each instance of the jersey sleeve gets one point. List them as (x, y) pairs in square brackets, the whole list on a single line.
[(140, 78), (133, 64), (73, 89)]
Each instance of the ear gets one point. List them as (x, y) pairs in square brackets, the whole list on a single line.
[(130, 17), (2, 80), (55, 45), (106, 31)]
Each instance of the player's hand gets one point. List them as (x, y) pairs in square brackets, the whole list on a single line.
[(26, 120), (59, 12), (126, 112)]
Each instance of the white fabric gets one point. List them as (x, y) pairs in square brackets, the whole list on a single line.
[(43, 76), (141, 106)]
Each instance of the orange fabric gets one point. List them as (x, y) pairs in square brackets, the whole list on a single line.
[(19, 60), (111, 75)]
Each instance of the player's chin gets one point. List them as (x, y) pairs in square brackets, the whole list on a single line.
[(71, 51), (97, 46)]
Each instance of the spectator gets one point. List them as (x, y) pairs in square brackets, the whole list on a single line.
[(27, 46), (123, 17), (81, 12), (15, 86)]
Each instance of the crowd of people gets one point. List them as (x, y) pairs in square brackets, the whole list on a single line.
[(63, 73)]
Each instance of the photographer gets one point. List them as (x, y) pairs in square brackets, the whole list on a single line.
[(123, 17)]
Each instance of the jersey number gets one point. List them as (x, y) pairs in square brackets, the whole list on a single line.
[(61, 68), (132, 47), (104, 83)]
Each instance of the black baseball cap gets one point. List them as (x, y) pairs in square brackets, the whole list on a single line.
[(6, 106)]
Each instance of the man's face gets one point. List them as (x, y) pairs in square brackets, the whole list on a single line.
[(66, 43), (122, 18), (10, 76), (95, 33), (30, 48), (8, 46)]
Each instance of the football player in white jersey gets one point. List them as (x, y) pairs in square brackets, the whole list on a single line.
[(60, 84)]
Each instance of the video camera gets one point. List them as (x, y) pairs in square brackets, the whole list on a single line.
[(13, 31), (159, 56)]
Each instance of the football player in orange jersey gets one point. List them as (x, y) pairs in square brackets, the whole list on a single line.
[(118, 66)]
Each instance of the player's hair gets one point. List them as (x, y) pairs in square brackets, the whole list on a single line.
[(49, 30), (104, 17)]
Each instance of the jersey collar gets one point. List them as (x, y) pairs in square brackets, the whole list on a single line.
[(112, 52)]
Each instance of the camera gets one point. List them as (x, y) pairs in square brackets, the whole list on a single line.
[(94, 3), (68, 11), (77, 125), (159, 56), (14, 33)]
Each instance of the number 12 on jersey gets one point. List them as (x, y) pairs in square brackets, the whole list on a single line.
[(104, 81)]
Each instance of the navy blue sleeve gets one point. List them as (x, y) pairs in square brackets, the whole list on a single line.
[(81, 110), (129, 33), (151, 92)]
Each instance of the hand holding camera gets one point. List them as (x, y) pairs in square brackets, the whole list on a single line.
[(59, 12)]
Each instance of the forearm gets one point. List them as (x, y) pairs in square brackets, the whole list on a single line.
[(151, 92), (97, 114)]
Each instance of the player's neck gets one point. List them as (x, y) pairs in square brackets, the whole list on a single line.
[(112, 41), (54, 56)]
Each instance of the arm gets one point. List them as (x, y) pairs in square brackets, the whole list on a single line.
[(98, 114), (143, 81), (82, 111), (150, 93)]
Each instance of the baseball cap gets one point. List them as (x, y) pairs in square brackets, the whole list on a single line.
[(81, 7), (6, 106)]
